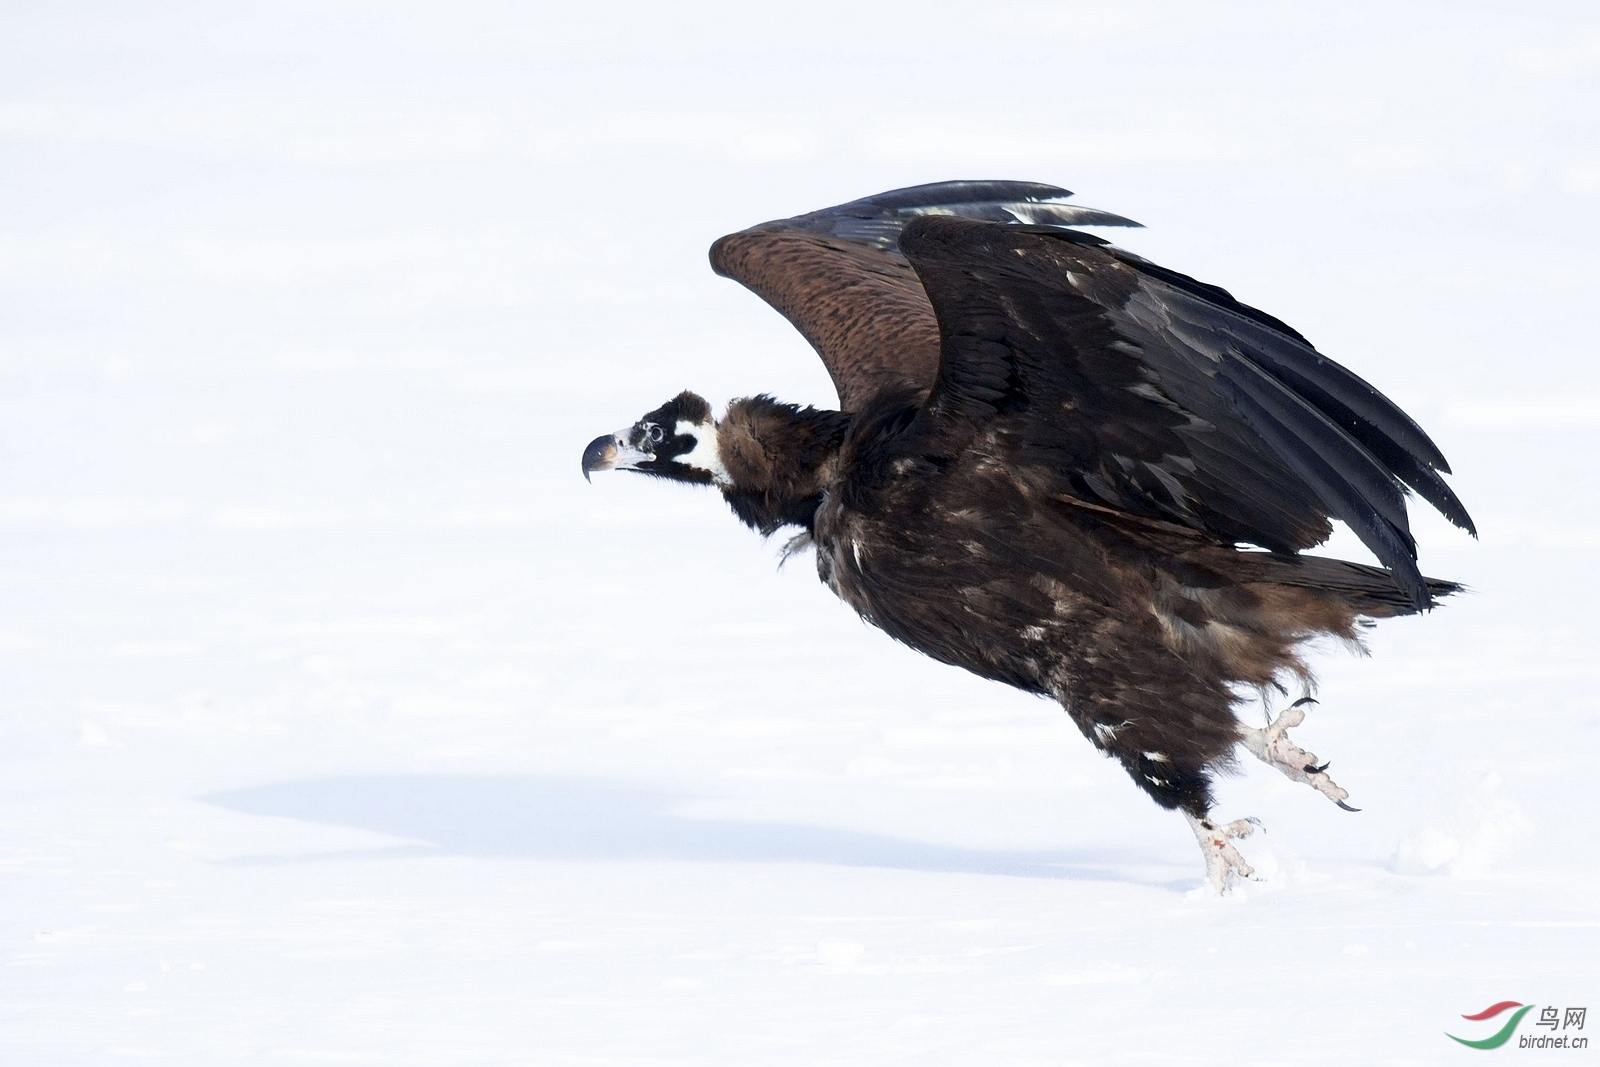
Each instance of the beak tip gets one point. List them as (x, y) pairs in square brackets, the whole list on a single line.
[(601, 455)]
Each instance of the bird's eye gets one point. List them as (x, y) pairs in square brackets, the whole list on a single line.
[(655, 433)]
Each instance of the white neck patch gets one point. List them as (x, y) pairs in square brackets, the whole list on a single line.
[(705, 455)]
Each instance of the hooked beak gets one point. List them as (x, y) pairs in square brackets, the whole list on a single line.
[(611, 452)]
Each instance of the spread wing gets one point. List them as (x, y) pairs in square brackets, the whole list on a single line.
[(839, 276), (1127, 386)]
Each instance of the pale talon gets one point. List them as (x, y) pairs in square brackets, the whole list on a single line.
[(1271, 745), (1223, 861)]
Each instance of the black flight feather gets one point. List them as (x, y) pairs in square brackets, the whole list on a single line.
[(1118, 371)]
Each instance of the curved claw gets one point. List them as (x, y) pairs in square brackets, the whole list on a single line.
[(1345, 806), (1272, 746)]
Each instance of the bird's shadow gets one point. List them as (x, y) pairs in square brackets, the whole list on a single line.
[(585, 819)]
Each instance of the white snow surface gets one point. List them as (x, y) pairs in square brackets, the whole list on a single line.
[(344, 723)]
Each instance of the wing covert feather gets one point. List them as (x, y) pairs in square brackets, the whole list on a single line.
[(839, 277), (863, 310)]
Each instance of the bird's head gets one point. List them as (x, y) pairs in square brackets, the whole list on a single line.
[(677, 440)]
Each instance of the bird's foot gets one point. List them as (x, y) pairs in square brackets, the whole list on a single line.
[(1223, 862), (1271, 745)]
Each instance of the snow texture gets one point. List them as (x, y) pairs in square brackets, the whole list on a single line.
[(344, 723)]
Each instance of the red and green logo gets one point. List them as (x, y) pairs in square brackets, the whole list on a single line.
[(1550, 1017), (1501, 1036)]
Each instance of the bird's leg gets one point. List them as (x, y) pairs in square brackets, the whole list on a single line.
[(1216, 844), (1271, 745)]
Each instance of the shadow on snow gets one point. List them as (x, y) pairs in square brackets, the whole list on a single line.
[(577, 819)]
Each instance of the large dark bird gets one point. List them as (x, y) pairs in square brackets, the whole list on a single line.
[(1068, 469)]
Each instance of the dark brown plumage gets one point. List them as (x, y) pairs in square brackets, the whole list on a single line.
[(1065, 468)]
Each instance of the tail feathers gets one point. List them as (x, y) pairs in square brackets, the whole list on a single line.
[(1371, 591)]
